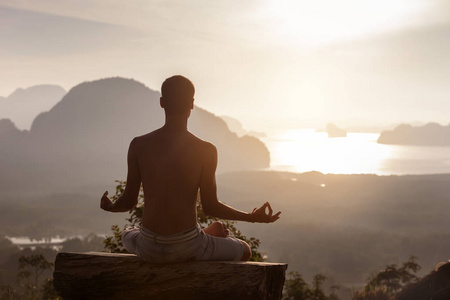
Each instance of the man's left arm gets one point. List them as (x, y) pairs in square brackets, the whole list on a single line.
[(128, 200)]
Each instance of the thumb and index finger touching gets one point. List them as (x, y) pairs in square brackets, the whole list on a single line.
[(105, 202), (271, 217), (275, 216), (104, 197)]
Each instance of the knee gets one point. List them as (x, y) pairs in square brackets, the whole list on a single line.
[(216, 225), (129, 239), (247, 251)]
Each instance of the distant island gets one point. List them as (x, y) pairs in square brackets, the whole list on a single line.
[(334, 131), (236, 126), (431, 134)]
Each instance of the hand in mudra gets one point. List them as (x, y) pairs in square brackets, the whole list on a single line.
[(105, 202), (259, 215)]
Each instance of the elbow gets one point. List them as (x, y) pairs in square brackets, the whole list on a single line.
[(206, 209), (132, 204), (128, 202), (209, 209)]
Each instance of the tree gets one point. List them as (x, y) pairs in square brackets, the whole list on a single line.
[(9, 293), (372, 294), (394, 278), (317, 291), (389, 281), (31, 268), (33, 265), (296, 288), (48, 291), (114, 244)]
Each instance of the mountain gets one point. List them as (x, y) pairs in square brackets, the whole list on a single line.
[(334, 131), (8, 128), (83, 139), (236, 126), (431, 134), (23, 105)]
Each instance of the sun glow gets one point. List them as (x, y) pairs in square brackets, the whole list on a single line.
[(305, 150), (323, 21)]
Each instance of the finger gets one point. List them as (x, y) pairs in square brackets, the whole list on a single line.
[(263, 207), (270, 209), (105, 194), (275, 218)]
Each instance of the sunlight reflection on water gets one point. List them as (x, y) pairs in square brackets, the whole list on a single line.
[(306, 150)]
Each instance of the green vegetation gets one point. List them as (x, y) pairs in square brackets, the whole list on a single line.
[(389, 281), (30, 284), (30, 269), (26, 274), (382, 286), (113, 243), (296, 288)]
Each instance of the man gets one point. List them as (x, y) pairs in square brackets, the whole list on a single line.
[(173, 164)]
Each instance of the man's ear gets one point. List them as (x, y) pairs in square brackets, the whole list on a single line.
[(161, 102), (192, 103)]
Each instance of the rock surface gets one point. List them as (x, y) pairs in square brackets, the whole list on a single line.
[(95, 275), (434, 286)]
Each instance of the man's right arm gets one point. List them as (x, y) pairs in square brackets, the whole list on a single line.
[(128, 200), (213, 207)]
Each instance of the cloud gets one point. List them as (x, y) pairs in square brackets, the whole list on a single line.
[(400, 75), (30, 33)]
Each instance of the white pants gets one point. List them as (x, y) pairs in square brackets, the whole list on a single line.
[(190, 245)]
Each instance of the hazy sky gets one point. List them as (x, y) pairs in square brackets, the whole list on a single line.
[(268, 63)]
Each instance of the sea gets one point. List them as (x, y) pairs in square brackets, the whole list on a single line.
[(304, 150)]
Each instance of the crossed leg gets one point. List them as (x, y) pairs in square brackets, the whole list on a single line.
[(219, 229)]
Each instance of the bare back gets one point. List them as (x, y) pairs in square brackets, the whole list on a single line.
[(173, 165), (170, 166)]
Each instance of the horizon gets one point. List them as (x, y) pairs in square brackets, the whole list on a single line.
[(355, 126)]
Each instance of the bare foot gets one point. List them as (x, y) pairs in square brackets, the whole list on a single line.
[(217, 229)]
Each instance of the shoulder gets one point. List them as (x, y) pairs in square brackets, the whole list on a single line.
[(139, 143), (204, 145), (136, 142), (210, 148), (209, 153), (133, 150), (144, 139)]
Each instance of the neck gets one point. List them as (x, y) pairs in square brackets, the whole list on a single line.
[(175, 123)]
